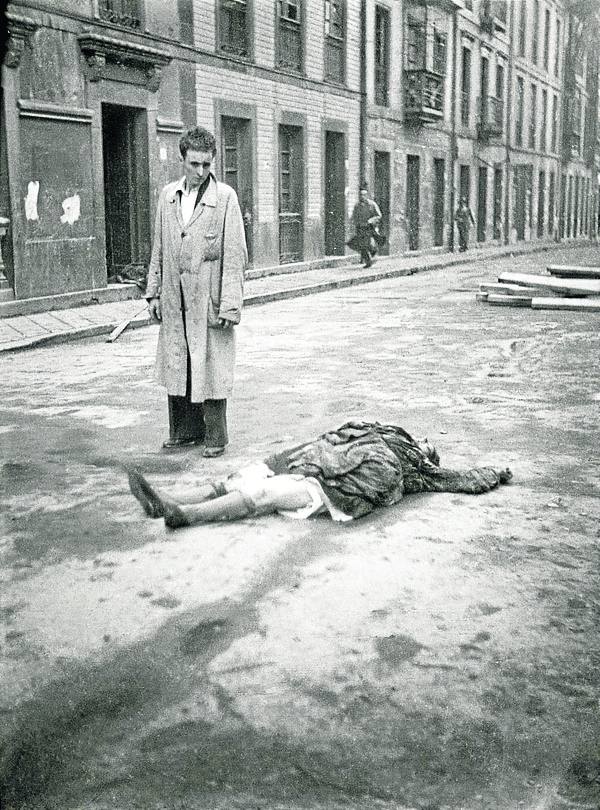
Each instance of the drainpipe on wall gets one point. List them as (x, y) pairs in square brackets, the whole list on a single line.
[(453, 141), (363, 132), (509, 104)]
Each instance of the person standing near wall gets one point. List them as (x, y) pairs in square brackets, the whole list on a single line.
[(195, 292), (464, 219), (366, 216)]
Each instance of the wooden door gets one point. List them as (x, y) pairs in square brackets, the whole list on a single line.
[(439, 196), (412, 200), (126, 187), (482, 186), (291, 194), (381, 193), (335, 185), (237, 154)]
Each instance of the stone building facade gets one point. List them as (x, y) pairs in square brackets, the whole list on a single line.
[(96, 94), (490, 100), (428, 100)]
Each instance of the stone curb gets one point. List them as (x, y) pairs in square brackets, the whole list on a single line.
[(280, 295)]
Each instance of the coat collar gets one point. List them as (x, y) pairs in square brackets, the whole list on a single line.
[(208, 198)]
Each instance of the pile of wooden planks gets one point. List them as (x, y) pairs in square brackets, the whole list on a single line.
[(562, 287)]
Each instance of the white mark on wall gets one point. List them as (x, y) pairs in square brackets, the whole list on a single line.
[(72, 209), (33, 189), (163, 153)]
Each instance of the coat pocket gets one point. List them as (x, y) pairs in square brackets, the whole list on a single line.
[(213, 315), (212, 247)]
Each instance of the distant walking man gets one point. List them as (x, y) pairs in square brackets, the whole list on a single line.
[(464, 218), (365, 218), (195, 289)]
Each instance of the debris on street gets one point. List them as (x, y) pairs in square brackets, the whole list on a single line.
[(566, 287)]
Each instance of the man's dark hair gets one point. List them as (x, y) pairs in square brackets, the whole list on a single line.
[(199, 140)]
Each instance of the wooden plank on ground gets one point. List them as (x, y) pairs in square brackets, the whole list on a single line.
[(573, 271), (512, 289), (509, 300), (580, 304), (580, 285)]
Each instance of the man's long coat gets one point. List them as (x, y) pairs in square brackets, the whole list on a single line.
[(198, 271)]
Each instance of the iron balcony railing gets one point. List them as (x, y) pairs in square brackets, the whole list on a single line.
[(491, 116), (423, 95)]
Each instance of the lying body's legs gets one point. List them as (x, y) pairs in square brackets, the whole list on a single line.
[(151, 498), (262, 496)]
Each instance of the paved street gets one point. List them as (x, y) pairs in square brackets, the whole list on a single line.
[(442, 653)]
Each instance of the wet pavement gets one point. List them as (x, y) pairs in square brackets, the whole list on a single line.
[(442, 653)]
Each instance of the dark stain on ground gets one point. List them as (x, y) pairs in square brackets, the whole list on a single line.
[(396, 649), (197, 638)]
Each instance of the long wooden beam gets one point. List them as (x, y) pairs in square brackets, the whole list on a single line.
[(580, 285), (573, 271), (581, 304)]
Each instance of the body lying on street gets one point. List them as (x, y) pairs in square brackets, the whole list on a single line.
[(346, 473)]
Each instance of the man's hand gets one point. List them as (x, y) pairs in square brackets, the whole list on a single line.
[(154, 309), (225, 324)]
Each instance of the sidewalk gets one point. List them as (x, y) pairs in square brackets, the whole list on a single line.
[(58, 326)]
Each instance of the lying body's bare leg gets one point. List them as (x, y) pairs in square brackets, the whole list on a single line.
[(266, 497), (151, 498)]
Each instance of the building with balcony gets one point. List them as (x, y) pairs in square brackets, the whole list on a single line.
[(428, 100), (408, 72), (96, 94)]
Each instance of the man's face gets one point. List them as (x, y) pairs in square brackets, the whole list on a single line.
[(363, 194), (196, 166)]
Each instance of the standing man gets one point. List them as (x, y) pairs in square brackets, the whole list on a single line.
[(464, 218), (365, 217), (195, 291)]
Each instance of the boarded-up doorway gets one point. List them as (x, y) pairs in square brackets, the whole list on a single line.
[(126, 187)]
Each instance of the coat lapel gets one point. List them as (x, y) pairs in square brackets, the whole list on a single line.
[(209, 200)]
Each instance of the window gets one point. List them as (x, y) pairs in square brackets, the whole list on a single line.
[(533, 116), (535, 31), (554, 121), (519, 117), (498, 9), (382, 55), (415, 45), (544, 122), (557, 49), (233, 18), (439, 53), (120, 12), (465, 86), (334, 41), (289, 41), (522, 28), (546, 39)]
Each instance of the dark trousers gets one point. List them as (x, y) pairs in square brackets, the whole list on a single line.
[(463, 237), (198, 421)]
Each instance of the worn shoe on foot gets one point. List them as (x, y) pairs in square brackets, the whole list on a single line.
[(171, 444), (213, 452)]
